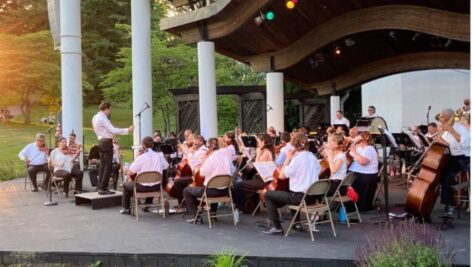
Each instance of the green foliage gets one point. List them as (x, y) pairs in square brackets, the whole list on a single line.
[(96, 264), (18, 17), (406, 244), (225, 258)]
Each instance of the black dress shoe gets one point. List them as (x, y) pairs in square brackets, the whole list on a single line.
[(274, 231), (105, 192), (198, 220)]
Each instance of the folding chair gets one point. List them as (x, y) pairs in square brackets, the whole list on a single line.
[(39, 183), (216, 182), (318, 188), (337, 197), (147, 177)]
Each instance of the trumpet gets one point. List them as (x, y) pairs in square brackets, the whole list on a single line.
[(457, 117)]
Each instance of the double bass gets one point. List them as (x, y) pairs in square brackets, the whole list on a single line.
[(423, 192)]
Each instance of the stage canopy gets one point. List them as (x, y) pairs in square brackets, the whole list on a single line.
[(322, 44)]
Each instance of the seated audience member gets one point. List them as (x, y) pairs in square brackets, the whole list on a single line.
[(35, 156), (365, 166), (148, 161), (63, 163), (303, 169), (216, 164)]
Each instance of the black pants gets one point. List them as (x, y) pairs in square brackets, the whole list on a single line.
[(115, 173), (93, 175), (455, 164), (191, 194), (75, 173), (179, 185), (128, 192), (278, 199), (365, 185), (33, 172), (245, 190), (106, 160), (334, 185)]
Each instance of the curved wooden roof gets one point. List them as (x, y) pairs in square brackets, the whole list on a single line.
[(376, 37)]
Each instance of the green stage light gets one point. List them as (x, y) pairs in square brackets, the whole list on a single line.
[(270, 15)]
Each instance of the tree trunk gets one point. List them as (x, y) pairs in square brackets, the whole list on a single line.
[(27, 114), (165, 121)]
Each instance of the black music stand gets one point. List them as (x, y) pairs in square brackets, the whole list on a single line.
[(249, 141)]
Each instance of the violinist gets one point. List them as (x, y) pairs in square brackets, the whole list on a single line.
[(285, 138), (35, 156), (303, 169), (229, 151), (199, 150), (75, 149), (246, 189), (63, 163), (337, 162), (457, 138), (216, 163), (365, 166), (147, 161)]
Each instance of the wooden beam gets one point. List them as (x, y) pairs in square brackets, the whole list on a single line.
[(437, 22), (392, 65)]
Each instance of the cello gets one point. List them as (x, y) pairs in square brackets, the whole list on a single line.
[(423, 192)]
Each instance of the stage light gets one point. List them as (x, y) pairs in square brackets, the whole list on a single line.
[(294, 1), (349, 42), (270, 15), (290, 4), (337, 51)]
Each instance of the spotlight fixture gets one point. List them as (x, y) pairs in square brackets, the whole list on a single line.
[(312, 62), (448, 43), (259, 19), (290, 4), (415, 36), (349, 42), (319, 57), (392, 34), (337, 51), (270, 15)]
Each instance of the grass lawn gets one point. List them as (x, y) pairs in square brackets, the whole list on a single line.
[(14, 136)]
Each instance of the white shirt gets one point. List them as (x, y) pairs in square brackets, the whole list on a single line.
[(283, 154), (149, 161), (216, 164), (369, 153), (61, 161), (463, 146), (200, 153), (343, 120), (229, 152), (341, 173), (32, 153), (303, 170), (103, 127)]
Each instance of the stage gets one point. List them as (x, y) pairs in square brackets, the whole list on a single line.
[(78, 236)]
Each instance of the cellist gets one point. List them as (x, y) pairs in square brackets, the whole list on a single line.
[(457, 138)]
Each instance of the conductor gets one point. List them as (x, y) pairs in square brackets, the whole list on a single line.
[(105, 131)]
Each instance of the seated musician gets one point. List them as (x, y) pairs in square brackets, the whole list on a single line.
[(371, 112), (197, 151), (457, 138), (340, 119), (232, 147), (35, 156), (216, 164), (93, 165), (116, 163), (287, 139), (303, 169), (432, 131), (365, 165), (271, 131), (148, 161), (75, 149), (337, 162), (63, 163), (246, 189)]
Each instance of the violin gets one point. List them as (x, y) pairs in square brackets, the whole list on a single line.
[(279, 147)]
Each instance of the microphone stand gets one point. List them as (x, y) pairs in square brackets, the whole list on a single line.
[(427, 115), (50, 202), (139, 120)]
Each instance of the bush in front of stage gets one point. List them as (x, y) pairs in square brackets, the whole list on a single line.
[(225, 258), (405, 244)]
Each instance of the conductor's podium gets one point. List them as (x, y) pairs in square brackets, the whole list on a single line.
[(99, 201)]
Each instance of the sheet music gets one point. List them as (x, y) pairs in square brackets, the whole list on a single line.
[(266, 170)]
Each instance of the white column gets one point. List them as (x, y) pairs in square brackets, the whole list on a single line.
[(207, 89), (335, 105), (275, 100), (141, 68), (71, 66)]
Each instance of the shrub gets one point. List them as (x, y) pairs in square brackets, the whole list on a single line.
[(405, 244), (225, 258)]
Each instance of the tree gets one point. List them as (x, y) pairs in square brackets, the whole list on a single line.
[(23, 16), (29, 70)]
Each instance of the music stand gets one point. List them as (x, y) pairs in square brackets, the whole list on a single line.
[(344, 126), (249, 141)]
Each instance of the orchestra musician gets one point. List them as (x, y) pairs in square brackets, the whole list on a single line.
[(337, 162), (75, 149), (365, 166), (116, 165), (457, 138), (63, 163), (199, 151), (229, 151), (340, 119), (105, 131), (287, 139), (271, 131), (432, 131), (35, 156), (303, 169), (215, 164), (148, 161), (93, 165), (371, 112), (246, 189)]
